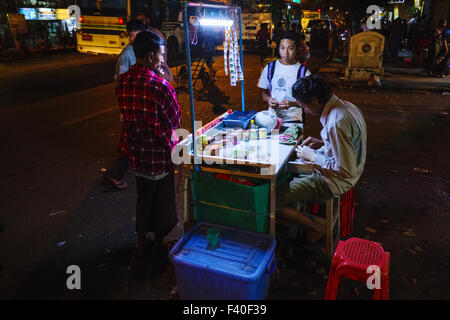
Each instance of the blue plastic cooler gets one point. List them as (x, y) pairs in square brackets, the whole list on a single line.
[(239, 119), (238, 270)]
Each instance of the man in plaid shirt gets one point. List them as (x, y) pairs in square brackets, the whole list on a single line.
[(150, 113)]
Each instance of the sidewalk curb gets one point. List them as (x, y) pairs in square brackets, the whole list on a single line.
[(334, 75), (386, 87), (403, 71), (14, 57)]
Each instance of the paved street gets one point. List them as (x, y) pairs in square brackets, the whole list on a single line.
[(60, 127)]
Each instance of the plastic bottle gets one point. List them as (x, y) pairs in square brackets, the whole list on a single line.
[(253, 125), (253, 135)]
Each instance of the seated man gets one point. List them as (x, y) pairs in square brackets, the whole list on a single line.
[(339, 161)]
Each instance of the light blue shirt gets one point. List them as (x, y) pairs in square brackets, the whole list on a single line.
[(126, 59)]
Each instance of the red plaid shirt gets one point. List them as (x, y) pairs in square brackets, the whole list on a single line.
[(150, 111)]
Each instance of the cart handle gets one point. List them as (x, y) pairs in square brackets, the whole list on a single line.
[(273, 263)]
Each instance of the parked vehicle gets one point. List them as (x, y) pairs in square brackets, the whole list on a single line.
[(175, 37), (103, 26), (321, 36), (322, 25), (251, 24), (104, 23)]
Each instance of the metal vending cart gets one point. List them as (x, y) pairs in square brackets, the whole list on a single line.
[(271, 158)]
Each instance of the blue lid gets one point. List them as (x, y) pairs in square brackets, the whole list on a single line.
[(242, 254), (239, 119), (241, 115)]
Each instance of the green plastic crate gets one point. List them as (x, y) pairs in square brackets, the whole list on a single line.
[(231, 204)]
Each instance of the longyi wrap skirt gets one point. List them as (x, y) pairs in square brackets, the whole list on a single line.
[(156, 208)]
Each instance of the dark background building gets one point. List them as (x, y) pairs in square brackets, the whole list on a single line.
[(47, 33)]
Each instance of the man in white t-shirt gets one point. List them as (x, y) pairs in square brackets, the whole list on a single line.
[(279, 76)]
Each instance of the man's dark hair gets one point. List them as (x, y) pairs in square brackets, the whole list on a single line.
[(143, 13), (291, 36), (147, 42), (307, 88), (135, 25), (146, 16)]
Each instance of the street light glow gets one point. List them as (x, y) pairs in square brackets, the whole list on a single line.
[(216, 22)]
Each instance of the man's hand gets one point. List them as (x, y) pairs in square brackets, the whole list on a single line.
[(306, 153), (312, 143), (287, 104), (160, 72), (272, 102)]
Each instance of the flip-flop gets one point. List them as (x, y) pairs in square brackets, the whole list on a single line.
[(112, 184)]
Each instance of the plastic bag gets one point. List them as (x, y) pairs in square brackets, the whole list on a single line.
[(266, 119)]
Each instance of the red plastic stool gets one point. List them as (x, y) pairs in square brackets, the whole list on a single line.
[(407, 62), (351, 259), (347, 212)]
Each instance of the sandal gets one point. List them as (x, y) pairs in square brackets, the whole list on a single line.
[(112, 184)]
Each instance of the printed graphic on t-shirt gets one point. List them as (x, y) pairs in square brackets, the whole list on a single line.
[(280, 86)]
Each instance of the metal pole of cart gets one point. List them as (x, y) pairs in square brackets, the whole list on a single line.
[(242, 58), (188, 63), (191, 89)]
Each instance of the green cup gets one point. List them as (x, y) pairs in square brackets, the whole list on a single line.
[(212, 234)]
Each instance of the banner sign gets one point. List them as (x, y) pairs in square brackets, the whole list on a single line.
[(29, 13), (46, 13), (62, 14)]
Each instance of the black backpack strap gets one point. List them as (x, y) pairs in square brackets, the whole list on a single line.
[(270, 73), (300, 74), (301, 71)]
